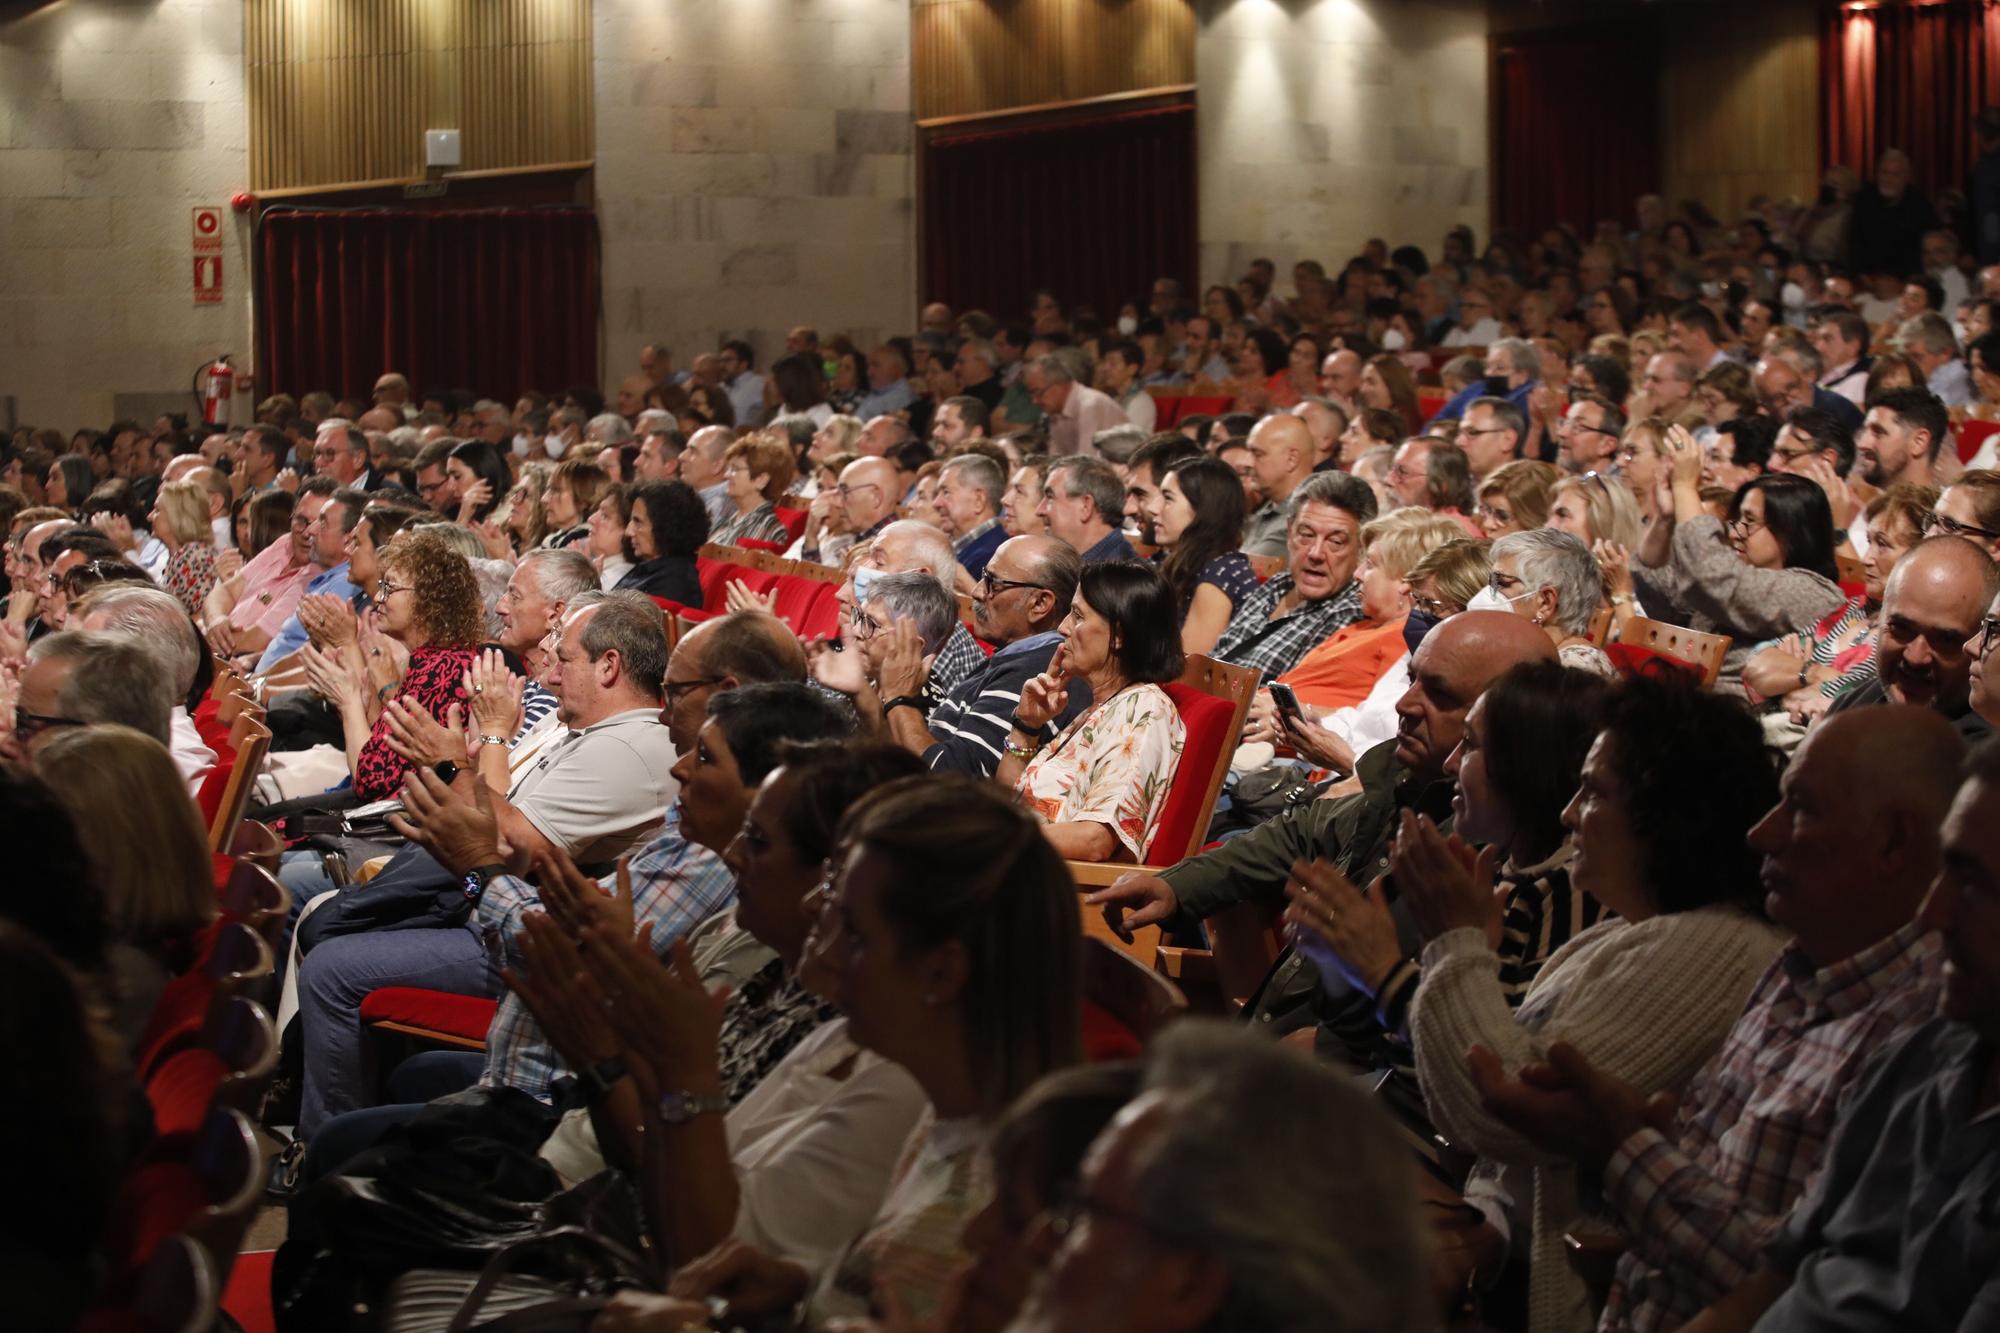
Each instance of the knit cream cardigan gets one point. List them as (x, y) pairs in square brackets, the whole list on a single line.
[(1646, 1001)]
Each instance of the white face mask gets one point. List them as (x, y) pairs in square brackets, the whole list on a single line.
[(1127, 325), (555, 444), (1488, 600), (864, 577), (1393, 340), (1793, 296), (520, 445)]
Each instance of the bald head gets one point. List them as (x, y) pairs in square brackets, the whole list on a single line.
[(872, 488), (1284, 454), (1932, 605), (182, 465), (1852, 845), (380, 418), (632, 395), (1451, 668)]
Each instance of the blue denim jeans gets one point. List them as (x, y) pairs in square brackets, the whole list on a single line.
[(334, 979), (411, 1087)]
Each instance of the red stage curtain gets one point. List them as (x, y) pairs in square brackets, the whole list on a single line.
[(1912, 77), (1093, 210), (1577, 126), (496, 300)]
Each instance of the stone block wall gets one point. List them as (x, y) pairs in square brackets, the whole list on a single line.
[(115, 120), (1325, 122), (754, 171)]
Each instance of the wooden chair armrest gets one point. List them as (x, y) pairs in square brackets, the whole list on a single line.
[(1102, 874)]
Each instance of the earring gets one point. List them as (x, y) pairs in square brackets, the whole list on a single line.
[(1540, 619)]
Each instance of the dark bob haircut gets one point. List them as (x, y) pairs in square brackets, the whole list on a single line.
[(1696, 775), (486, 463), (679, 518), (1537, 723), (1145, 626), (1796, 512)]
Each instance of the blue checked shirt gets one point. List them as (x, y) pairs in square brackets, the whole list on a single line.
[(1253, 639), (675, 884)]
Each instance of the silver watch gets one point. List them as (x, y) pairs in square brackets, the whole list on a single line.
[(677, 1108)]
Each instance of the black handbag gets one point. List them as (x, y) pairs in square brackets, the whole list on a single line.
[(413, 893)]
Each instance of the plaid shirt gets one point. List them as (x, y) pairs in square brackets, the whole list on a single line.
[(760, 524), (1753, 1129), (1253, 639), (676, 885), (959, 658)]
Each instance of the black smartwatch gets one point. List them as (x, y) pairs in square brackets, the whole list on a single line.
[(599, 1079), (446, 771), (916, 701), (479, 877)]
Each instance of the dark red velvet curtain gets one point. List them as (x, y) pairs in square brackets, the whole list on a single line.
[(496, 300), (1576, 131), (1908, 76), (1093, 210)]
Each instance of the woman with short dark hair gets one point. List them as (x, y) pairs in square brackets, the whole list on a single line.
[(1199, 523), (483, 479), (668, 525), (1101, 784)]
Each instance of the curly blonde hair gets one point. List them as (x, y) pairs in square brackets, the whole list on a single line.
[(449, 609)]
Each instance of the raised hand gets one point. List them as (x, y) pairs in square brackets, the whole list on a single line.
[(904, 666), (663, 1013), (738, 597), (556, 985), (475, 495), (496, 693), (837, 669), (1345, 931), (414, 734), (1567, 1106), (577, 902), (463, 835), (1135, 901), (1447, 884)]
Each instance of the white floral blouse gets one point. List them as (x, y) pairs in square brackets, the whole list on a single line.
[(1113, 766)]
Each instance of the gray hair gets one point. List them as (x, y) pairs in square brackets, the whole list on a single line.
[(980, 471), (630, 623), (1803, 359), (609, 428), (926, 546), (1929, 331), (980, 348), (654, 419), (1521, 355), (356, 441), (1084, 475), (1054, 368), (1117, 444), (1550, 558), (1339, 489), (1315, 1230), (1505, 415), (407, 440), (920, 599), (113, 678), (486, 407), (154, 618), (560, 574)]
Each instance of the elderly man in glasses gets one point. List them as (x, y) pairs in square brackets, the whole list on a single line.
[(1933, 608), (1588, 433)]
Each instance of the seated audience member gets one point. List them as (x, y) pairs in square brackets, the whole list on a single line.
[(1515, 497), (1342, 669), (853, 667), (148, 852), (1848, 853), (1198, 521), (1144, 473), (1809, 668), (667, 527), (968, 507), (1595, 509), (154, 619), (568, 498), (1549, 577), (1888, 1233), (606, 547), (429, 608), (1283, 452), (976, 980), (1018, 605), (758, 470), (1588, 434), (1671, 785), (1099, 786), (1083, 501), (76, 679), (1515, 768), (1021, 504), (1901, 436), (67, 1099), (860, 505), (1447, 482), (1451, 668), (1075, 411), (908, 547), (329, 534), (180, 521), (1933, 604), (1371, 428), (1316, 594), (1442, 584), (243, 612), (1970, 508), (1768, 571), (1289, 1227), (676, 881)]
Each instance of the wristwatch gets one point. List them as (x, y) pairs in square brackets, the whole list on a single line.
[(915, 701), (446, 771), (599, 1079), (677, 1108), (476, 879)]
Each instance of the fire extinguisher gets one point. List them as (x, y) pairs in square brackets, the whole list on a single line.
[(214, 385)]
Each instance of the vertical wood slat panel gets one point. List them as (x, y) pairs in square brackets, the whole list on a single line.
[(972, 56), (1739, 105), (342, 90)]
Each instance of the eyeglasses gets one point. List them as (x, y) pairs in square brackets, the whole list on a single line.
[(1987, 635), (1493, 514), (991, 585), (676, 690), (1576, 427), (846, 492), (29, 725), (1436, 606), (866, 626), (1464, 434), (384, 589), (1793, 455), (1934, 523)]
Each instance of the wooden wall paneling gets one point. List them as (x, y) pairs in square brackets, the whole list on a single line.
[(341, 91), (974, 56), (1739, 90)]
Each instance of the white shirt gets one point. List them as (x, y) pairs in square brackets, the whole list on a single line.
[(225, 537), (1482, 334), (191, 754), (1367, 724), (603, 789), (1141, 410)]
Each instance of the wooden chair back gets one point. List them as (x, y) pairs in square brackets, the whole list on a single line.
[(1702, 651), (176, 1292), (1128, 990), (253, 895), (1849, 566), (250, 751), (1600, 625), (240, 962), (226, 1158), (256, 842)]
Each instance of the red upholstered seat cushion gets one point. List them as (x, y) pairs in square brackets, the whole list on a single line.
[(1105, 1037), (1207, 720), (1636, 660), (822, 618), (434, 1010), (794, 521), (796, 599), (182, 1088), (209, 798), (213, 734), (1169, 409), (1971, 435), (153, 1203)]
